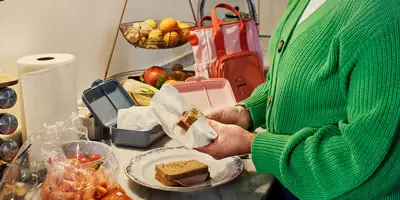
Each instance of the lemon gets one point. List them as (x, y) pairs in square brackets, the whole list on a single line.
[(145, 29), (156, 35), (136, 26), (152, 23), (171, 38), (169, 82), (185, 32), (133, 36)]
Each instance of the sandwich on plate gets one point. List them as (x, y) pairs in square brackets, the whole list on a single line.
[(182, 173), (188, 118)]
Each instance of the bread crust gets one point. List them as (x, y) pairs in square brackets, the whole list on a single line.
[(159, 178), (181, 169)]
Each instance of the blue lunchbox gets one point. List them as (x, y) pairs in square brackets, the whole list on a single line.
[(104, 99)]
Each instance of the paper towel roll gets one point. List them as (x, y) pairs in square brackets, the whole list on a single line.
[(48, 87)]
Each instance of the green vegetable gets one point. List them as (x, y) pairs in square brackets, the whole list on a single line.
[(160, 82)]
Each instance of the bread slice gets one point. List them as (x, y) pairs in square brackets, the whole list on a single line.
[(159, 178), (181, 169)]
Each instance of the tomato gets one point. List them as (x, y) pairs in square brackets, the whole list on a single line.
[(78, 156), (94, 157), (54, 159), (83, 160), (152, 74)]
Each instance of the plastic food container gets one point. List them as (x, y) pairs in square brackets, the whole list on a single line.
[(104, 99), (207, 94), (58, 162)]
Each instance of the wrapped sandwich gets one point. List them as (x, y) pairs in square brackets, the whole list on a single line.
[(188, 118)]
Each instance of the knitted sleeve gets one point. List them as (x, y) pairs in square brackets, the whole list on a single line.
[(359, 157), (257, 103)]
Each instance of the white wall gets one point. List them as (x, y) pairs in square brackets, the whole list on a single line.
[(271, 12), (83, 28)]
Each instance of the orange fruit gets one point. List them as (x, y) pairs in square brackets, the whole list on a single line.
[(168, 24), (184, 32), (171, 38)]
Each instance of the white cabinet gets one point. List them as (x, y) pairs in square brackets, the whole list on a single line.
[(269, 14)]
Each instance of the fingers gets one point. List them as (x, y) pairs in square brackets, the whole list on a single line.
[(206, 149), (209, 150), (215, 115), (215, 124), (227, 115)]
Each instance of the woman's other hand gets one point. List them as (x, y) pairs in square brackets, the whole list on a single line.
[(232, 140), (235, 115)]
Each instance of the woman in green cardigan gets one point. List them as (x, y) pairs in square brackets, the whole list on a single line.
[(330, 105)]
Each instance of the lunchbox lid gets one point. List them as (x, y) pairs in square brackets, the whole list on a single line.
[(207, 94), (105, 98)]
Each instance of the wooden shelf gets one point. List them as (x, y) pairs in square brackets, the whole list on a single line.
[(7, 80)]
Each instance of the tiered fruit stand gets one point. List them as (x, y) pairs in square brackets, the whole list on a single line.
[(153, 34)]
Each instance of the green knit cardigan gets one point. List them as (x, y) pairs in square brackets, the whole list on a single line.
[(331, 102)]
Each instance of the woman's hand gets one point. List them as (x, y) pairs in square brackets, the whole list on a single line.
[(236, 115), (232, 140)]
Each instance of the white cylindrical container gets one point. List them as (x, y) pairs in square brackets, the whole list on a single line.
[(48, 88)]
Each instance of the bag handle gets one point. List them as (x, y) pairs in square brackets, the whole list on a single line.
[(218, 35), (205, 18)]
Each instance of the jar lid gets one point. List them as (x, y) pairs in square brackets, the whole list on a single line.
[(8, 150)]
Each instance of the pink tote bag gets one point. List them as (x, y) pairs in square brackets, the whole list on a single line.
[(229, 50)]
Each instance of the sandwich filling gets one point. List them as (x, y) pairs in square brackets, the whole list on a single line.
[(188, 118), (194, 180)]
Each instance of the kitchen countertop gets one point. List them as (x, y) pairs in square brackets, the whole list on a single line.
[(249, 185)]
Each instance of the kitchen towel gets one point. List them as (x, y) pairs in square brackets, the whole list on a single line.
[(48, 88), (166, 108)]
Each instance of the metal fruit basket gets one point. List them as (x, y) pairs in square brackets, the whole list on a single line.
[(154, 38), (123, 27)]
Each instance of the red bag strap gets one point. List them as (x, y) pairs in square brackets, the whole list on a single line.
[(218, 35), (205, 18)]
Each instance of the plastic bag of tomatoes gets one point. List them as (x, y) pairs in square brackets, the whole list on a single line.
[(60, 163)]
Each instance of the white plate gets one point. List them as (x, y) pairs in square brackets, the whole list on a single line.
[(141, 168)]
